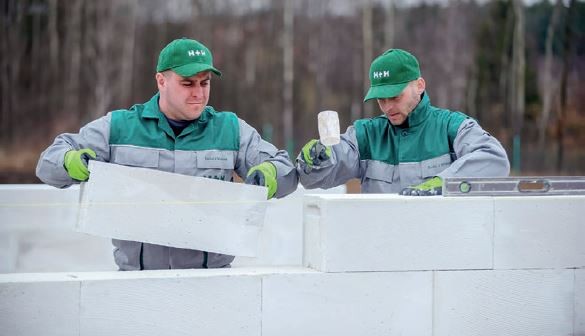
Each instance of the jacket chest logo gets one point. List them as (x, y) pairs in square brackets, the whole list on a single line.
[(215, 157)]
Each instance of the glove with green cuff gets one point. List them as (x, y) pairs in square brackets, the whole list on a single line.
[(263, 174), (76, 163), (314, 153), (430, 187)]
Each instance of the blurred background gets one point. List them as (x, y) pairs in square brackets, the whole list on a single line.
[(516, 66)]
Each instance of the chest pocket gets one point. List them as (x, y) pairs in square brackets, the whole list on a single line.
[(135, 156), (215, 164), (434, 166), (379, 171), (379, 177)]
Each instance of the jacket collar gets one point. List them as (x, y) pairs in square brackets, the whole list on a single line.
[(152, 111), (419, 114)]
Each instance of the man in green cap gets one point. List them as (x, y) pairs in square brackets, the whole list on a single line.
[(175, 131), (409, 149)]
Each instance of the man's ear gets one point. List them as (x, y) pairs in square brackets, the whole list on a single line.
[(160, 80), (420, 85)]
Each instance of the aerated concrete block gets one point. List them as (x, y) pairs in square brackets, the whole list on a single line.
[(504, 302), (391, 233), (8, 252), (186, 302), (37, 206), (369, 303), (63, 251), (539, 232), (169, 209), (36, 232), (38, 304), (281, 236), (579, 302)]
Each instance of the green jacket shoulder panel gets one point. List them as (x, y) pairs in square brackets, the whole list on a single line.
[(143, 125), (214, 130), (375, 141), (380, 141), (455, 119)]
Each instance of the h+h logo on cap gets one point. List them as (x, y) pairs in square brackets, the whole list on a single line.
[(196, 52), (381, 74)]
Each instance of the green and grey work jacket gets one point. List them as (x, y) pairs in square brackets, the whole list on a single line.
[(214, 146), (388, 158)]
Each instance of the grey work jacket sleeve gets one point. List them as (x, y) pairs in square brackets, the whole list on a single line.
[(94, 135), (343, 165), (478, 154), (253, 151)]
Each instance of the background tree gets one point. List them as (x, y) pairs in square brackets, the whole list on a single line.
[(63, 63), (548, 85)]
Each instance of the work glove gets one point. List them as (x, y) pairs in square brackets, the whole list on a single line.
[(76, 163), (314, 153), (430, 187), (263, 174)]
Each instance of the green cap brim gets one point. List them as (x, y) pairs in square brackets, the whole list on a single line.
[(192, 69), (385, 91)]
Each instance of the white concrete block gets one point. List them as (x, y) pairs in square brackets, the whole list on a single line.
[(390, 232), (35, 237), (281, 236), (171, 209), (579, 325), (8, 252), (539, 232), (39, 305), (504, 302), (63, 251), (177, 302), (198, 304), (370, 303), (33, 206), (36, 232)]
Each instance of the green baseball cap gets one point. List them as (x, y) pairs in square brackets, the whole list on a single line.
[(391, 72), (186, 58)]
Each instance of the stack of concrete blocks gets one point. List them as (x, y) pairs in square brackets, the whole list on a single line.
[(37, 235), (446, 266), (378, 265)]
